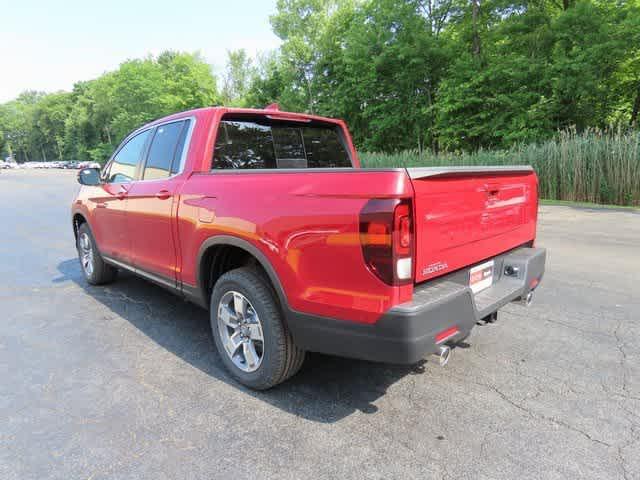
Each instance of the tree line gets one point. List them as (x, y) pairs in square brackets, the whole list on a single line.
[(426, 75)]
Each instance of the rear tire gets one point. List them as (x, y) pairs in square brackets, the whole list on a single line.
[(96, 271), (250, 334)]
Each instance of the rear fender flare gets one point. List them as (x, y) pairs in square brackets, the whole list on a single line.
[(249, 248)]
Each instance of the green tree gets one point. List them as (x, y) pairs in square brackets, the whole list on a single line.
[(49, 119), (237, 78), (420, 74), (269, 83), (302, 24), (108, 108), (391, 66), (17, 120)]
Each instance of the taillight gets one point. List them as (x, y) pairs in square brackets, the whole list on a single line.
[(386, 236)]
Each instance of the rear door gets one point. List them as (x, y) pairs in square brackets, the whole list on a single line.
[(151, 202), (466, 215)]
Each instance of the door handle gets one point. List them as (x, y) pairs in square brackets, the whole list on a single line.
[(163, 194)]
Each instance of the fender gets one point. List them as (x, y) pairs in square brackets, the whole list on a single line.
[(81, 212), (197, 293)]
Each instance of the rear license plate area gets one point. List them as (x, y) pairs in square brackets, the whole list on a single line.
[(481, 276)]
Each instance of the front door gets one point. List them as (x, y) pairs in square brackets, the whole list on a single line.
[(110, 226)]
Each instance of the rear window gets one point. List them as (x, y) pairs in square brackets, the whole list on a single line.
[(265, 143)]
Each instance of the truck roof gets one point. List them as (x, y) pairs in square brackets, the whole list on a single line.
[(271, 110)]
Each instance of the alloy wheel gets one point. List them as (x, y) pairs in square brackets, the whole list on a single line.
[(240, 330), (86, 254)]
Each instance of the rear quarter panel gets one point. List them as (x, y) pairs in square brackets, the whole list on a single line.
[(307, 226)]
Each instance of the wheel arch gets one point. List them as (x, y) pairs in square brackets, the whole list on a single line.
[(78, 219), (212, 250)]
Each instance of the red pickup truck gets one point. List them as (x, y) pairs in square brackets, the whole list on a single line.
[(266, 218)]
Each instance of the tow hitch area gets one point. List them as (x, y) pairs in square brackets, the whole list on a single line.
[(491, 318)]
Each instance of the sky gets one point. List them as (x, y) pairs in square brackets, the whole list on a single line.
[(50, 45)]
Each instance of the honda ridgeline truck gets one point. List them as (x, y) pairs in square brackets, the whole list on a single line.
[(266, 218)]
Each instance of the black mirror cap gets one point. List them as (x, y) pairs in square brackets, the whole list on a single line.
[(89, 176)]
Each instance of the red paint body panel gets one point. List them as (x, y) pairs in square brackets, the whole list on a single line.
[(150, 226), (107, 208), (307, 222), (461, 220)]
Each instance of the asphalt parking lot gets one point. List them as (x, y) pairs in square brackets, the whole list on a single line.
[(124, 382)]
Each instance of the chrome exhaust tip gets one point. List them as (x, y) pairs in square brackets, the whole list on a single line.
[(443, 353), (527, 300)]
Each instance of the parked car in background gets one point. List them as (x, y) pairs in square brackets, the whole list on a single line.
[(266, 218), (8, 162)]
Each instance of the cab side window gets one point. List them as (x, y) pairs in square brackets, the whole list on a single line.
[(122, 168), (165, 151)]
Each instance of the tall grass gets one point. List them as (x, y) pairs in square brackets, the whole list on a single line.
[(593, 166)]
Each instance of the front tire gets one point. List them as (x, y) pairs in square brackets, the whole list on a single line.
[(250, 335), (96, 270)]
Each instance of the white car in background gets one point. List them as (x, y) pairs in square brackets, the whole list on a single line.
[(89, 165), (4, 164)]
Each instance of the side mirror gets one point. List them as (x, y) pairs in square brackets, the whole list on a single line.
[(89, 176)]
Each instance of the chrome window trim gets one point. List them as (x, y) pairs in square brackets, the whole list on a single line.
[(187, 144), (183, 156)]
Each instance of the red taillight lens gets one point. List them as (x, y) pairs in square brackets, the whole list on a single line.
[(386, 236), (402, 225)]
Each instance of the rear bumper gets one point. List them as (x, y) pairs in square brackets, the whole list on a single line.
[(408, 332)]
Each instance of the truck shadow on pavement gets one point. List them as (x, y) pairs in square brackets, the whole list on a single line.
[(326, 389)]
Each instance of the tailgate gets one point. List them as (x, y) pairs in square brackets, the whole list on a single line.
[(468, 214)]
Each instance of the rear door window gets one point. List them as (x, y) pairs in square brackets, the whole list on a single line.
[(165, 151), (266, 143)]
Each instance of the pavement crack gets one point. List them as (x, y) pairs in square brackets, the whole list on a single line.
[(623, 464), (540, 416), (573, 327), (483, 444), (623, 357), (622, 460)]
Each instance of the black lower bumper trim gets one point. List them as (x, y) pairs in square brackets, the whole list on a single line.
[(407, 332)]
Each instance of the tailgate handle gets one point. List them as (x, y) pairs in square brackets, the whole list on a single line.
[(492, 190)]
